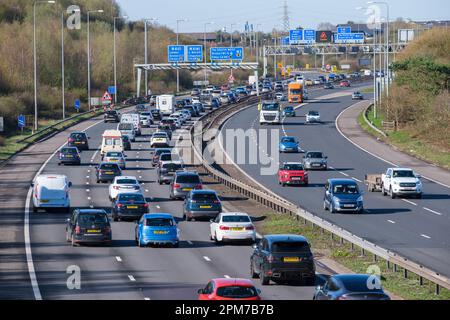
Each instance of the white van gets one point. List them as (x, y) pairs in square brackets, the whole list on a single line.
[(166, 104), (127, 129), (133, 118), (112, 142), (51, 191)]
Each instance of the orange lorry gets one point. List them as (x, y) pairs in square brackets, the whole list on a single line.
[(295, 92)]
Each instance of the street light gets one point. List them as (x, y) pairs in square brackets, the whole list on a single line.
[(89, 55), (35, 61), (178, 42), (115, 59), (206, 24), (146, 50)]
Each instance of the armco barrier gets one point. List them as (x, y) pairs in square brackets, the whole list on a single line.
[(283, 206)]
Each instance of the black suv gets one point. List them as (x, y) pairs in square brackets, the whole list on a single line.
[(106, 172), (111, 116), (79, 140), (283, 258), (88, 226), (156, 114)]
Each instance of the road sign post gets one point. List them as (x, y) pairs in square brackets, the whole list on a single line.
[(78, 105), (21, 122)]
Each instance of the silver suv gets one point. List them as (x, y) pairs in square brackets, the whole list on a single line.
[(183, 183)]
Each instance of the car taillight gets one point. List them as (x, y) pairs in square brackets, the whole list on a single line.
[(116, 187), (145, 205), (120, 205), (71, 140), (108, 230), (224, 228), (198, 187), (77, 230), (250, 228), (216, 202), (177, 186)]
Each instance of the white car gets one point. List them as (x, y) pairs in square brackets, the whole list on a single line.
[(127, 129), (123, 184), (159, 140), (232, 226), (146, 119), (280, 96), (116, 157), (401, 182), (224, 98), (51, 191), (186, 113), (313, 117), (317, 82)]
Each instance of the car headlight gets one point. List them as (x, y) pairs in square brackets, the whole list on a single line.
[(396, 182), (360, 199), (336, 200)]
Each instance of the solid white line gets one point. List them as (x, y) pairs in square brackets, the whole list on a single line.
[(432, 211), (119, 259), (356, 179), (207, 259), (410, 202), (131, 278), (393, 222), (425, 236)]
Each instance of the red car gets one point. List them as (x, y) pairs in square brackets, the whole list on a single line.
[(229, 289), (292, 174), (345, 83)]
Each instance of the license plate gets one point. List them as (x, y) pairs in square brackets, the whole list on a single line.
[(132, 207), (77, 142), (44, 201), (69, 156), (237, 229), (205, 207), (296, 178), (109, 172), (113, 160), (93, 231), (349, 206), (291, 260), (160, 232), (187, 189)]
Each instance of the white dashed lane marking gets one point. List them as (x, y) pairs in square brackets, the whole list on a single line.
[(425, 236), (390, 221), (119, 259), (131, 278), (410, 202), (207, 258), (432, 211)]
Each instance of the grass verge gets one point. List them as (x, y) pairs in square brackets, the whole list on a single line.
[(322, 243), (405, 142)]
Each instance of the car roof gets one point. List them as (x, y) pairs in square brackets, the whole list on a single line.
[(158, 215), (335, 181), (285, 238), (346, 277), (96, 211), (226, 214), (226, 282), (126, 177), (203, 192), (402, 169), (293, 163)]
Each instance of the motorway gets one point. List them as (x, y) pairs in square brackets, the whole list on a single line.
[(123, 271), (417, 229)]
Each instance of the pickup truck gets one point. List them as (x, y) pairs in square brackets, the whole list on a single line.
[(401, 181)]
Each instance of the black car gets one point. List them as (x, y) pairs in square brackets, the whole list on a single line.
[(283, 258), (88, 226), (167, 170), (129, 206), (157, 153), (328, 85), (126, 143), (156, 114), (166, 129), (180, 104), (106, 172), (79, 140), (69, 155), (111, 116), (140, 108), (351, 287)]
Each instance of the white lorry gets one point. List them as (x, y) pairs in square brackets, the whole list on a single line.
[(401, 182), (166, 104), (270, 113)]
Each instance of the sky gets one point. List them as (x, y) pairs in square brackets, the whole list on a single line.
[(268, 14)]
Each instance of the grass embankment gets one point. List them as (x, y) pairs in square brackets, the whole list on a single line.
[(407, 142), (323, 244)]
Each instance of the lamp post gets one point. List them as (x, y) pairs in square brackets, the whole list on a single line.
[(35, 62), (115, 58), (178, 42), (89, 54), (205, 25), (146, 50)]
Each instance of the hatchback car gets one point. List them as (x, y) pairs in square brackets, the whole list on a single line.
[(159, 140), (343, 195), (129, 206), (351, 287), (357, 96), (292, 174), (328, 85), (69, 155), (106, 172), (345, 84), (79, 140), (166, 129), (201, 204), (232, 226), (229, 289), (123, 184), (156, 114), (157, 153), (157, 229), (166, 170), (146, 119), (315, 160), (183, 183), (289, 144), (192, 110), (116, 157), (111, 116), (313, 117), (126, 143), (289, 112), (283, 258), (88, 226)]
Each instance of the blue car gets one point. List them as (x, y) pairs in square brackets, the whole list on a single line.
[(157, 229), (343, 195), (289, 144), (201, 204), (289, 112), (69, 155)]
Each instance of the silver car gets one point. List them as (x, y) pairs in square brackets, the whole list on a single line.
[(315, 160), (313, 117), (183, 183)]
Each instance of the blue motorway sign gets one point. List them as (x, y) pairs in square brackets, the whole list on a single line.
[(194, 53), (77, 104), (21, 121), (309, 35), (349, 38), (295, 36), (176, 53), (344, 30), (112, 90), (227, 53), (286, 41)]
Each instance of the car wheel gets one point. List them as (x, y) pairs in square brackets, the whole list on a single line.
[(263, 278), (72, 240), (325, 206), (160, 182), (383, 191), (391, 193), (176, 245), (419, 196), (332, 210), (140, 244), (35, 209), (253, 274)]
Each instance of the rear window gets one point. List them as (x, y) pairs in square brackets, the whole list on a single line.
[(169, 121), (290, 247), (111, 113), (166, 157), (110, 166), (89, 219), (126, 126), (126, 181), (293, 167), (358, 285), (314, 155), (237, 292), (188, 179), (235, 219), (159, 222), (161, 151), (69, 151), (313, 113), (172, 166), (78, 136), (205, 196), (159, 135), (131, 198)]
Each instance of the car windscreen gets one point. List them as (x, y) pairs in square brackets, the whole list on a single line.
[(287, 108), (345, 189), (314, 155), (110, 167), (403, 174), (290, 246), (159, 222), (89, 219), (237, 292), (205, 197), (127, 181), (288, 140), (313, 113), (169, 121), (69, 151), (236, 219), (131, 198), (270, 106), (188, 179), (359, 285), (126, 126), (111, 113), (296, 91), (293, 167), (161, 151)]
